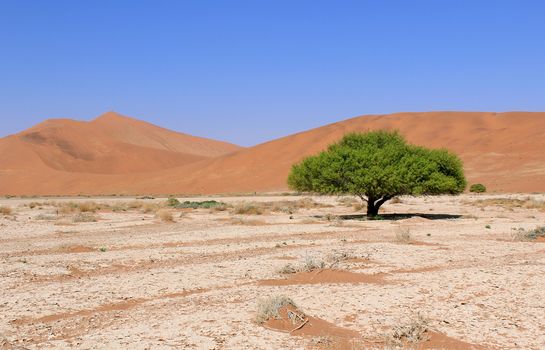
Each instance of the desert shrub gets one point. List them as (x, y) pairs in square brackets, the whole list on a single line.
[(66, 208), (414, 331), (477, 188), (376, 167), (88, 207), (4, 210), (310, 264), (198, 205), (84, 217), (269, 307), (172, 202), (248, 209), (531, 235), (164, 215), (148, 208), (33, 205), (288, 269), (283, 206), (146, 197)]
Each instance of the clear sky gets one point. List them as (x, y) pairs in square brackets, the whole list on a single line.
[(251, 71)]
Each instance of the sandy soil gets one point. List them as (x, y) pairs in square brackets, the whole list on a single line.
[(131, 281)]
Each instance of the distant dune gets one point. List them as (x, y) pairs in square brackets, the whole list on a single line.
[(118, 155)]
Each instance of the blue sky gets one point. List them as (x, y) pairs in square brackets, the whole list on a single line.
[(251, 71)]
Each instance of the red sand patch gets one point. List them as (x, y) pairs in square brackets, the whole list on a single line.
[(441, 341), (325, 276), (296, 323), (110, 307), (77, 249)]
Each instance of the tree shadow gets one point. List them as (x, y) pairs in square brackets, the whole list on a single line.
[(401, 216)]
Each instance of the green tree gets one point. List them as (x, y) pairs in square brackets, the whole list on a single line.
[(377, 166)]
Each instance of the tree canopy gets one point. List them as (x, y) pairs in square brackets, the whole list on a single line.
[(377, 166)]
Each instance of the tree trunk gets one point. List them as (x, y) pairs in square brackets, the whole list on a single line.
[(373, 205), (372, 209)]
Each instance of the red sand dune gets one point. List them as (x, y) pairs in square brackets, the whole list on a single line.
[(115, 154)]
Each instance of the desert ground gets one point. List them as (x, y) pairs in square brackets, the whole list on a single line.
[(109, 273)]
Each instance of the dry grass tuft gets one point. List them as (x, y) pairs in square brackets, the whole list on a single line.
[(412, 332), (84, 217), (403, 235), (248, 209), (147, 208), (269, 307), (4, 210), (530, 235), (510, 203), (165, 215), (45, 217), (310, 264), (88, 207), (284, 206)]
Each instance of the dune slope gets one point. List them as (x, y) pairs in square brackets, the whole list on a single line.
[(502, 150)]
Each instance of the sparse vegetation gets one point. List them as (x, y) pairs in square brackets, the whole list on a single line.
[(199, 205), (412, 332), (403, 235), (248, 209), (45, 217), (488, 226), (103, 249), (530, 235), (477, 188), (84, 217), (269, 307), (4, 210), (376, 167), (509, 203), (172, 202), (164, 215), (286, 207)]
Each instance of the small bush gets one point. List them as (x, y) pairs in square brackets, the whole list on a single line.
[(148, 208), (248, 209), (531, 235), (164, 215), (198, 205), (477, 188), (5, 210), (269, 308), (287, 269), (415, 331), (88, 207), (172, 202), (312, 264)]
